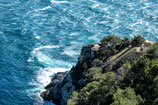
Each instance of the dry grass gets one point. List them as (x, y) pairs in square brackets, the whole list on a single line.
[(117, 55), (128, 52)]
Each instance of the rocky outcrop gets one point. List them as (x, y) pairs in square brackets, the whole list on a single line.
[(50, 92), (116, 65), (64, 83), (60, 89), (88, 51)]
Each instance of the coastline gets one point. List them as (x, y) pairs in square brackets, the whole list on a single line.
[(63, 84)]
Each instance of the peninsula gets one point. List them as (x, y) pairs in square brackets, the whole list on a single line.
[(113, 72)]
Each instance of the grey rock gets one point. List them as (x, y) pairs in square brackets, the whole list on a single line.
[(61, 86)]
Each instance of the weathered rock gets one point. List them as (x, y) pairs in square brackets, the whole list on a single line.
[(88, 51), (50, 88), (62, 84)]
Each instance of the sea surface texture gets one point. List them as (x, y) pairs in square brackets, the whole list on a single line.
[(41, 37)]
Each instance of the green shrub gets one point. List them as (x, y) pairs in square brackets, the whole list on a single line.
[(126, 39), (94, 74), (137, 41), (155, 101), (126, 97), (74, 99), (98, 93), (97, 63), (109, 43), (153, 51), (103, 94), (155, 86), (127, 66)]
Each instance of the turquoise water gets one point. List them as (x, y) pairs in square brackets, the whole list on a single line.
[(41, 37)]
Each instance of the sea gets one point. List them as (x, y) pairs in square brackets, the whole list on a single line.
[(39, 38)]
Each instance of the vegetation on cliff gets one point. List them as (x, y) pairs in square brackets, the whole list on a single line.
[(115, 76)]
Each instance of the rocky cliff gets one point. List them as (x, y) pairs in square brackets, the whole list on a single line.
[(111, 55), (103, 68), (64, 83)]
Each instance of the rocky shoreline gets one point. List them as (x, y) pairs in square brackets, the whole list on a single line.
[(63, 84)]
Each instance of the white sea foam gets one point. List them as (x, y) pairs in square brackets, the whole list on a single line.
[(42, 9), (13, 23), (28, 12), (30, 60), (43, 78), (35, 14), (95, 5), (58, 2), (76, 43), (44, 47), (36, 52), (103, 22), (139, 22), (70, 51), (94, 37), (88, 19), (74, 33), (52, 62), (37, 37), (44, 75), (45, 8)]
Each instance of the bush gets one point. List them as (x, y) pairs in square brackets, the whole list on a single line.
[(97, 93), (94, 74), (155, 101), (155, 86), (137, 41), (153, 51), (126, 39), (97, 63), (126, 97), (74, 99), (127, 66), (109, 43), (126, 42)]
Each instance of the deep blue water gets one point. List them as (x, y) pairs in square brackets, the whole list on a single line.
[(41, 37)]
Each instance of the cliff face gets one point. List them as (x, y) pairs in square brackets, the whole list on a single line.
[(64, 83)]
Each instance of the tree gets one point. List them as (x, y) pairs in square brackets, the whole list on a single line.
[(103, 94), (85, 93), (126, 42), (126, 97), (153, 51), (109, 43), (74, 99), (127, 66), (155, 101), (99, 93), (94, 74), (137, 41), (97, 63), (126, 39), (96, 93), (141, 68), (155, 86)]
